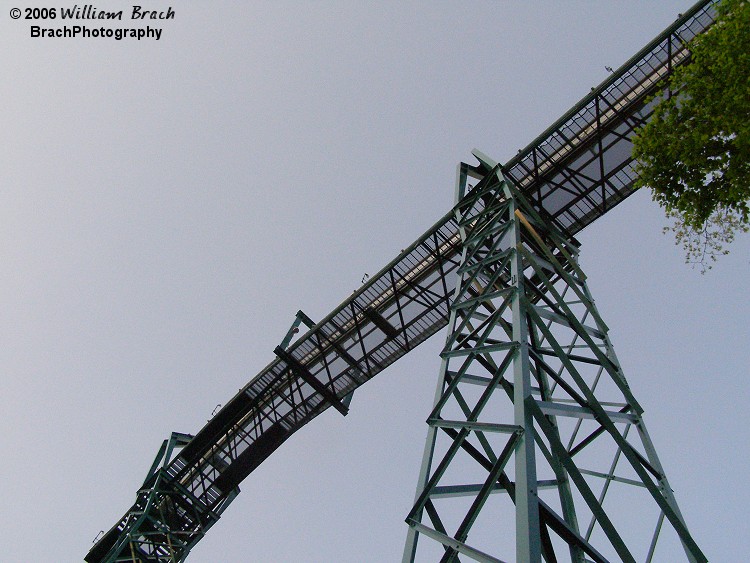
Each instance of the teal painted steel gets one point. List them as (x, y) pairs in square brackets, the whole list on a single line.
[(412, 294), (526, 327)]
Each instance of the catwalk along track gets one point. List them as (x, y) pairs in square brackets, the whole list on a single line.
[(573, 173)]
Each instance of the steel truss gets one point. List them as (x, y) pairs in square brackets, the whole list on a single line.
[(574, 172), (533, 408), (166, 521)]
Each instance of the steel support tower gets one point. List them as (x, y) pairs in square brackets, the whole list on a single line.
[(500, 270), (533, 413)]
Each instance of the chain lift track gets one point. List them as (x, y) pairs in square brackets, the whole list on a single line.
[(573, 173)]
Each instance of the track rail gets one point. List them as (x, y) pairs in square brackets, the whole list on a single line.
[(574, 172)]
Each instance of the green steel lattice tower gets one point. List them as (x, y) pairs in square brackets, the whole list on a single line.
[(536, 448), (533, 421)]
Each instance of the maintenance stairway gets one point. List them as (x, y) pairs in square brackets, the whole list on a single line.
[(573, 173)]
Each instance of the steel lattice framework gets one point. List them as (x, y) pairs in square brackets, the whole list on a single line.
[(529, 375), (573, 173)]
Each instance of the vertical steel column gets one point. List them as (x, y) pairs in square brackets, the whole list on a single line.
[(528, 372), (528, 547)]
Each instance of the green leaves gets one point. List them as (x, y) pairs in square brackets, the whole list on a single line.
[(694, 153)]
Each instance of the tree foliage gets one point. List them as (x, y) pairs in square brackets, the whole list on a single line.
[(694, 153)]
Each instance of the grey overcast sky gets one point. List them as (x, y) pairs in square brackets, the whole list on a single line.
[(167, 206)]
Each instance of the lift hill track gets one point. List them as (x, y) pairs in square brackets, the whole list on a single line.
[(574, 172)]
